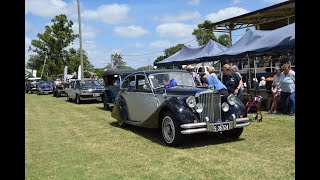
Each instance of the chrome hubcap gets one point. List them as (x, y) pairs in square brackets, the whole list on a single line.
[(168, 130)]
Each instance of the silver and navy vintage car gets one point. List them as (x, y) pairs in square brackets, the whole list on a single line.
[(168, 99), (89, 89)]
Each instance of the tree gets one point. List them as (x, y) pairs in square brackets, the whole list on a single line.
[(172, 50), (204, 33), (117, 61), (224, 40), (148, 67), (169, 52), (73, 61), (35, 62), (52, 44), (99, 73)]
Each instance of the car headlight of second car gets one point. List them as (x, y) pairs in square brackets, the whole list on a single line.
[(191, 101), (84, 92), (225, 107), (199, 107), (232, 99)]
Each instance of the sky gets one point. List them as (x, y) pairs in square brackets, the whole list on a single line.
[(138, 29)]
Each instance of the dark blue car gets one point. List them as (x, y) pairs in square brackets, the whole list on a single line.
[(45, 87)]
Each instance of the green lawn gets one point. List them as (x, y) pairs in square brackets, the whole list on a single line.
[(69, 141)]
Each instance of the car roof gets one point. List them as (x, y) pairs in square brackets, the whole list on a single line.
[(35, 78), (148, 72), (118, 72)]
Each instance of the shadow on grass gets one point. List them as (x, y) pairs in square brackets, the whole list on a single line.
[(85, 101), (190, 141)]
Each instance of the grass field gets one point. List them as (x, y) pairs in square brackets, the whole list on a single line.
[(65, 140)]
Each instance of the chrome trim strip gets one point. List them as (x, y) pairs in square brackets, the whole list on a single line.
[(193, 131), (193, 125)]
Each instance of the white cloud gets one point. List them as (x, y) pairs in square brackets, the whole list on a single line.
[(110, 14), (130, 31), (184, 16), (48, 8), (194, 2), (226, 13), (175, 30), (161, 44), (88, 32), (274, 1)]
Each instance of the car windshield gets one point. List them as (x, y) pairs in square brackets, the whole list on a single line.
[(90, 82), (159, 80), (45, 84)]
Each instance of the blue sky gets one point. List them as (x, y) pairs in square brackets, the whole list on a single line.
[(134, 27)]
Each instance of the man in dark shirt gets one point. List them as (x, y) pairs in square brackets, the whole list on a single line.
[(231, 80)]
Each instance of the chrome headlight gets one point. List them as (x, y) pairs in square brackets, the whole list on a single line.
[(84, 92), (191, 101), (199, 107), (232, 99), (225, 107)]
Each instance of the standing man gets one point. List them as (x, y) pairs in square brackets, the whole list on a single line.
[(288, 88), (232, 81), (194, 75)]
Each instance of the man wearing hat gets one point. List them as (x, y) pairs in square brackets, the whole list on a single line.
[(231, 80), (195, 76)]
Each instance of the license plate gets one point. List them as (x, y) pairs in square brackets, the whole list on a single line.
[(95, 94), (221, 127)]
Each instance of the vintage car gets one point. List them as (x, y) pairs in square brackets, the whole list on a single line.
[(168, 99), (112, 79), (45, 87), (32, 84), (89, 89)]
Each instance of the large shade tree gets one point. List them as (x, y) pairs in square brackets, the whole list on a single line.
[(204, 33), (51, 45)]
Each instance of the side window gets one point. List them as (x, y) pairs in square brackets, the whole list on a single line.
[(142, 82), (128, 83)]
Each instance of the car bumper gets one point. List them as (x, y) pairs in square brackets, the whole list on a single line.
[(193, 128), (45, 92), (90, 97)]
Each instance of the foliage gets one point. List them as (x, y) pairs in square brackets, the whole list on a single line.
[(149, 67), (52, 44), (73, 61), (117, 61), (160, 58), (172, 50), (204, 33), (224, 40), (86, 74), (99, 72), (169, 52)]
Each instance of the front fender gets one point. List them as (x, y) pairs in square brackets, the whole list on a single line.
[(120, 110), (238, 109), (179, 108)]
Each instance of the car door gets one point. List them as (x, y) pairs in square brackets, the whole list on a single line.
[(140, 101)]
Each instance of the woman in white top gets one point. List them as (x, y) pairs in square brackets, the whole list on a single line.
[(275, 91)]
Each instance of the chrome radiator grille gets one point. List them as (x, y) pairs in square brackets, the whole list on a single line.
[(211, 106)]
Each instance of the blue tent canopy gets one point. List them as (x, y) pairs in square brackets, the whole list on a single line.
[(188, 55), (260, 42)]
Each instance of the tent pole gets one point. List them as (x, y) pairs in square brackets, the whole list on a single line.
[(255, 68), (249, 80)]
